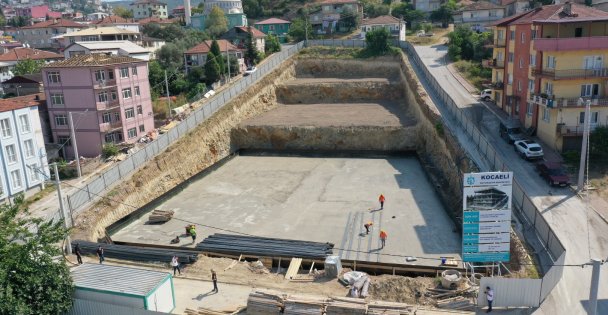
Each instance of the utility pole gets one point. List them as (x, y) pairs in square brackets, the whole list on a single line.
[(168, 97), (62, 208), (581, 168), (74, 143), (595, 282), (306, 28), (228, 58)]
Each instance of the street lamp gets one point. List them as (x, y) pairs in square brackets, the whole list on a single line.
[(18, 86), (586, 121)]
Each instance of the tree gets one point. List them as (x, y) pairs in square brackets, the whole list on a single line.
[(598, 143), (156, 76), (349, 19), (32, 280), (212, 69), (300, 29), (170, 56), (445, 13), (215, 49), (123, 12), (251, 51), (468, 45), (377, 42), (407, 12), (272, 44), (216, 23), (28, 66)]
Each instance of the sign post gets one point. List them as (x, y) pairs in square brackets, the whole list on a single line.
[(486, 218)]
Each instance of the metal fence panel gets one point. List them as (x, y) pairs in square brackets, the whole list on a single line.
[(542, 228), (96, 186), (78, 199), (518, 196), (112, 175), (552, 277), (173, 135), (182, 128), (126, 166), (87, 307), (139, 157), (509, 292), (191, 122)]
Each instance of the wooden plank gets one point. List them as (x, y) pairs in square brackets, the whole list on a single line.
[(311, 266), (294, 266)]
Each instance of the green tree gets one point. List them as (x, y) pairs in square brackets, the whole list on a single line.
[(377, 42), (299, 29), (407, 12), (170, 56), (251, 51), (215, 49), (32, 280), (468, 45), (212, 69), (349, 19), (216, 23), (156, 76), (445, 13), (28, 66), (598, 143), (123, 12), (272, 44)]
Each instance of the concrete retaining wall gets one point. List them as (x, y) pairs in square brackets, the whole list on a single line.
[(338, 92)]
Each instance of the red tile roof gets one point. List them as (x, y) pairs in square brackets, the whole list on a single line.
[(93, 60), (272, 21), (113, 19), (21, 53), (254, 31), (339, 1), (480, 5), (20, 102), (555, 14), (381, 20), (55, 23), (205, 47)]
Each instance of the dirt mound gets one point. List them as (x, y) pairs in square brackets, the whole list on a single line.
[(400, 289)]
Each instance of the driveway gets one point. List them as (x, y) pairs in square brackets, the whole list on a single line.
[(581, 230)]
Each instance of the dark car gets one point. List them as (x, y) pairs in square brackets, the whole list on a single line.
[(554, 173), (511, 132)]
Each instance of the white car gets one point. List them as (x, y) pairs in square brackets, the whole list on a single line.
[(250, 70), (528, 149), (486, 95)]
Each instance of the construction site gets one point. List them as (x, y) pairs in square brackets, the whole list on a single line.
[(297, 162)]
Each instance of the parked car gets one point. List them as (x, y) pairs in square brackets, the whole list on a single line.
[(554, 173), (486, 95), (511, 132), (529, 149), (250, 70), (422, 33)]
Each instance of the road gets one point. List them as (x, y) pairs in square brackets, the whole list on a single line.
[(582, 231)]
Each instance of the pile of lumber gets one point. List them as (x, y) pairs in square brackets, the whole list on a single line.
[(205, 311), (304, 305), (138, 253), (160, 216), (264, 302), (388, 308), (264, 246), (457, 303), (346, 306)]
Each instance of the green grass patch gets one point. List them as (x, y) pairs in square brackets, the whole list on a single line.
[(474, 72)]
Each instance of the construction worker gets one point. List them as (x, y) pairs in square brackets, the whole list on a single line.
[(193, 233), (214, 279), (383, 237), (381, 199), (367, 226)]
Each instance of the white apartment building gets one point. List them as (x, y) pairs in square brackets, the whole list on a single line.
[(22, 146)]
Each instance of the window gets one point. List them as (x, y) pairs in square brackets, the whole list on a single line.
[(492, 13), (500, 34), (593, 62), (529, 109), (64, 140), (546, 115), (29, 148), (510, 79), (140, 110), (519, 85), (551, 62), (521, 63), (33, 169), (106, 118), (100, 75), (549, 88), (533, 34), (132, 133), (113, 95), (512, 35), (102, 97), (578, 32), (111, 74), (531, 85), (594, 116), (25, 123), (533, 60), (129, 113), (134, 71), (511, 57), (124, 72), (53, 76), (11, 154), (57, 99), (61, 120), (142, 128), (16, 177), (126, 93), (137, 91), (6, 128), (590, 90), (116, 116), (523, 37)]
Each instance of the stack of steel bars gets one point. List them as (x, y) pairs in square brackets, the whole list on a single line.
[(137, 253), (263, 246)]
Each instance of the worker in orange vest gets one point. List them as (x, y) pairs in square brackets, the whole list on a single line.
[(383, 237), (381, 199), (367, 226)]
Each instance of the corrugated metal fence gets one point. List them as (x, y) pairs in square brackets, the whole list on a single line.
[(86, 307), (103, 182)]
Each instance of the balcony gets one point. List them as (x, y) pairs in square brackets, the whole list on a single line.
[(563, 102), (493, 63), (111, 126), (571, 73), (572, 43), (108, 105), (497, 85), (577, 130), (500, 42), (104, 84)]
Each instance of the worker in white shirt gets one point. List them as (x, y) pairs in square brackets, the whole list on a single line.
[(490, 296)]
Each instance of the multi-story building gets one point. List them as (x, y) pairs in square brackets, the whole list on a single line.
[(39, 35), (22, 155), (233, 10), (110, 33), (21, 85), (117, 21), (427, 5), (108, 95), (119, 47), (149, 8), (37, 12), (332, 12), (547, 59), (238, 36), (197, 55), (479, 15), (393, 25), (274, 26), (13, 56)]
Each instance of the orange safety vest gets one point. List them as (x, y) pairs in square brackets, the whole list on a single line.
[(383, 235), (381, 198)]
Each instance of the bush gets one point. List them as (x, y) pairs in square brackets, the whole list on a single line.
[(109, 150), (377, 42)]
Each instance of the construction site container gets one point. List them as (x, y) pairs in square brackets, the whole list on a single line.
[(124, 286)]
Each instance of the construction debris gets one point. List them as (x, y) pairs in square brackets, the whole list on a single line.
[(258, 267), (462, 299), (457, 303), (389, 308), (160, 216), (265, 302), (205, 311), (294, 267), (304, 305), (346, 306), (136, 253)]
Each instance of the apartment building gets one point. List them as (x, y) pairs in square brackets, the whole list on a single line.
[(197, 55), (9, 59), (22, 155), (110, 33), (108, 95), (393, 25), (547, 59), (39, 35), (119, 47), (479, 15), (328, 19), (149, 8)]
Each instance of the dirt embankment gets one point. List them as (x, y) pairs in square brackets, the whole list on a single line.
[(201, 148), (332, 90)]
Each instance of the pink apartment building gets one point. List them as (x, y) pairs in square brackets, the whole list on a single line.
[(108, 95)]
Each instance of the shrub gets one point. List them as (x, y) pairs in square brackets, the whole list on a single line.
[(109, 150)]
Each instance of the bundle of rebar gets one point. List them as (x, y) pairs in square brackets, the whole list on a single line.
[(137, 253), (263, 246)]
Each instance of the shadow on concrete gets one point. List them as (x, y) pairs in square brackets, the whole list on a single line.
[(602, 305), (558, 203), (200, 297)]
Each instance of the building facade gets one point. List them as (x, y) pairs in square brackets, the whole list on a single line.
[(149, 8), (395, 26), (228, 6), (22, 154), (119, 47), (197, 55), (21, 85), (234, 19), (238, 36), (12, 57), (108, 95), (40, 34), (479, 15), (427, 5), (544, 62), (274, 26), (332, 11), (110, 33)]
